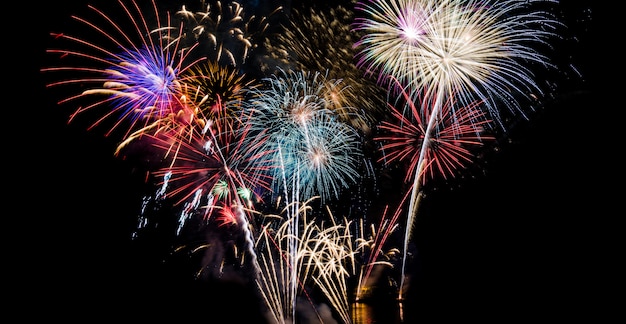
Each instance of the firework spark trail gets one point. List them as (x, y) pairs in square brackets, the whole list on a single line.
[(339, 265), (188, 209), (376, 245), (294, 230), (161, 193), (279, 281), (234, 178), (473, 51), (294, 210), (315, 254)]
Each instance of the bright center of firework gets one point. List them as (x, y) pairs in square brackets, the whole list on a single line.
[(318, 158), (302, 114), (220, 189), (157, 78), (144, 82), (411, 33), (411, 25), (467, 37), (158, 83), (445, 59)]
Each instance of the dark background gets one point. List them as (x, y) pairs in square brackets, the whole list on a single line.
[(525, 238)]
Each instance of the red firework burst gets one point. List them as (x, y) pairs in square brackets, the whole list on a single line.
[(448, 148)]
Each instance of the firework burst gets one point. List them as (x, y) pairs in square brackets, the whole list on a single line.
[(481, 50), (219, 166), (317, 154), (224, 88), (314, 40), (132, 73), (224, 32), (450, 141)]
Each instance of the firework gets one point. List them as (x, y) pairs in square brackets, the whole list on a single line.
[(480, 49), (315, 40), (131, 73), (224, 88), (458, 130), (214, 179), (224, 32), (219, 166), (317, 154)]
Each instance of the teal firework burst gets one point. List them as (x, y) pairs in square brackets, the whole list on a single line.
[(314, 152)]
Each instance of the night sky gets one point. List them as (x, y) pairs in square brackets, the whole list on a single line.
[(517, 238)]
